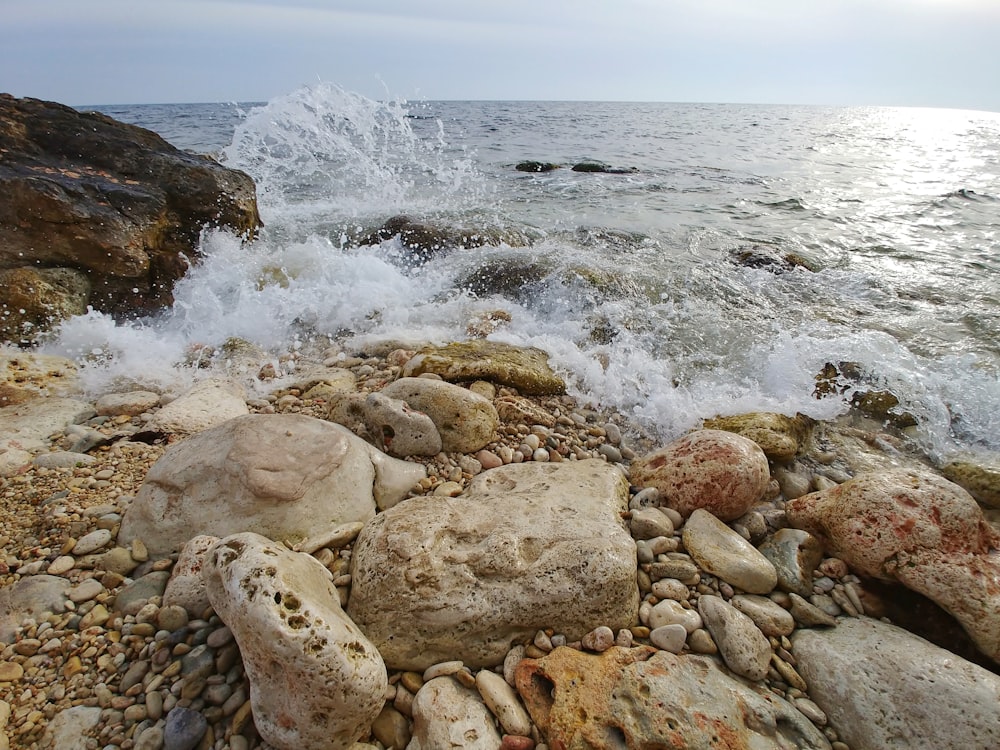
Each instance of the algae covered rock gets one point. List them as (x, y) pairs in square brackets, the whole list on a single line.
[(524, 368)]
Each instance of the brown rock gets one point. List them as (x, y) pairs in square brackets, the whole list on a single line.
[(114, 201), (526, 369)]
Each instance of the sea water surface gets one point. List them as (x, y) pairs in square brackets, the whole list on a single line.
[(632, 281)]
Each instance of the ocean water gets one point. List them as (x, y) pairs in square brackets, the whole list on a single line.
[(632, 281)]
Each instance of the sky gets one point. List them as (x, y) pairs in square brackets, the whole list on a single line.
[(925, 53)]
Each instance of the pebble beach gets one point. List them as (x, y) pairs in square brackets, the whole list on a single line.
[(97, 660)]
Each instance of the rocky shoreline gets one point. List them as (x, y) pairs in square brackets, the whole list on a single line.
[(762, 629)]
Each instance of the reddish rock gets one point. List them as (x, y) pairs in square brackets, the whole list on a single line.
[(722, 472), (917, 528), (644, 699)]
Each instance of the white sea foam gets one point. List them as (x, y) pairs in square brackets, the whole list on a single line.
[(657, 323)]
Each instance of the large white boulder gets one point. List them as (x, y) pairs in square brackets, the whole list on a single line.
[(315, 680), (528, 546), (286, 476)]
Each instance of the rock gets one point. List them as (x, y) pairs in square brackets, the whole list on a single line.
[(35, 300), (649, 523), (528, 546), (597, 166), (980, 480), (27, 426), (525, 369), (27, 375), (743, 647), (669, 637), (32, 598), (645, 699), (69, 728), (186, 587), (724, 553), (206, 404), (919, 529), (519, 410), (465, 420), (114, 201), (323, 382), (95, 540), (780, 437), (391, 728), (130, 403), (535, 166), (286, 476), (807, 614), (795, 554), (141, 590), (445, 714), (772, 619), (502, 701), (883, 688), (399, 430), (315, 680), (424, 240), (670, 612), (720, 471), (184, 729), (63, 460)]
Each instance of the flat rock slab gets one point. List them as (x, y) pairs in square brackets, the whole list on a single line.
[(286, 476), (526, 369), (27, 426), (643, 699), (884, 688), (528, 546)]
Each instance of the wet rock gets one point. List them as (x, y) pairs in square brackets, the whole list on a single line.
[(646, 699), (315, 680), (446, 714), (598, 166), (780, 437), (980, 480), (130, 403), (465, 420), (282, 475), (525, 369), (113, 200), (35, 300), (919, 529), (883, 688), (439, 578), (795, 554), (722, 552), (27, 375), (719, 471), (535, 166)]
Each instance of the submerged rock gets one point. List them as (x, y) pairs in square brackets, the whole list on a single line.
[(283, 475), (527, 546)]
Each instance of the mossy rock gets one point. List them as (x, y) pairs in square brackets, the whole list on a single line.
[(524, 368), (781, 438), (982, 482), (536, 166)]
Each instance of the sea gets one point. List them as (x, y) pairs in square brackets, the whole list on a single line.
[(727, 255)]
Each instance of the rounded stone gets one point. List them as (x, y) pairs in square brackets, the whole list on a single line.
[(743, 647), (724, 553), (720, 471)]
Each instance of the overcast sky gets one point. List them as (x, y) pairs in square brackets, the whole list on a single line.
[(935, 53)]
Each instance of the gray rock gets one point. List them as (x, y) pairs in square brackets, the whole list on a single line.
[(465, 420), (63, 460), (399, 430), (724, 553), (184, 730), (32, 598), (528, 546), (743, 647), (770, 617), (884, 688), (141, 590), (286, 476), (95, 540), (795, 554)]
